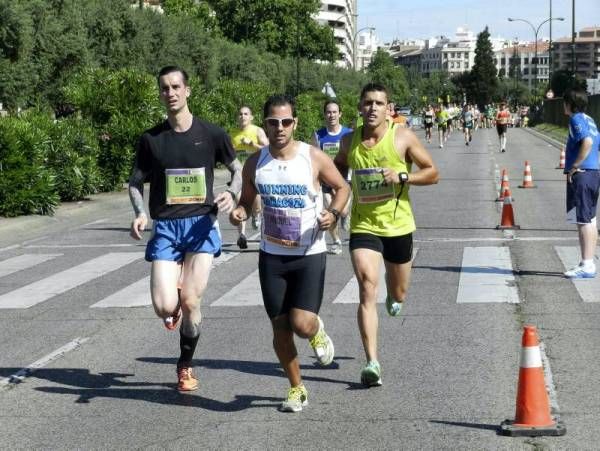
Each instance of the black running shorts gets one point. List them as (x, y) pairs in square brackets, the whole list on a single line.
[(395, 249), (291, 281)]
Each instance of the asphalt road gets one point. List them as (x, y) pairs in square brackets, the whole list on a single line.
[(74, 309)]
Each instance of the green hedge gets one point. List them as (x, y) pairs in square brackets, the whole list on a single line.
[(43, 161)]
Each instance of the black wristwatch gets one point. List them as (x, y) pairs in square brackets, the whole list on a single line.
[(233, 196), (335, 213), (403, 176)]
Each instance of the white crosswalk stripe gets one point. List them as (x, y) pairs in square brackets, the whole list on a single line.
[(588, 289), (138, 294), (487, 276), (25, 261), (349, 294), (63, 281), (244, 294)]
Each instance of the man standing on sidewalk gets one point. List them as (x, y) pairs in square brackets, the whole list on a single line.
[(382, 222), (583, 180), (178, 157)]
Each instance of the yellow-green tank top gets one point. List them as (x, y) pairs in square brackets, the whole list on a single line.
[(236, 138), (378, 208)]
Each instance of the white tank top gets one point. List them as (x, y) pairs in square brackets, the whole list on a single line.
[(290, 204)]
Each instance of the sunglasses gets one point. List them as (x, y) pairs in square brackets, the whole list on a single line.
[(276, 122)]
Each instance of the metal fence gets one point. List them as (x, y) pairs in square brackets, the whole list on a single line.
[(553, 112)]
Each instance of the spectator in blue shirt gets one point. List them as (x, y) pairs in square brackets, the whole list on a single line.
[(583, 180)]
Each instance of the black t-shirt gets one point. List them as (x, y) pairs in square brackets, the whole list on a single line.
[(162, 148)]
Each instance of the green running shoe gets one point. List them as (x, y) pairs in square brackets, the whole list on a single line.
[(297, 398), (371, 374), (322, 345), (393, 308)]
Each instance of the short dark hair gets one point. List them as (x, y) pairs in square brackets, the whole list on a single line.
[(576, 99), (332, 101), (370, 87), (169, 69), (279, 100)]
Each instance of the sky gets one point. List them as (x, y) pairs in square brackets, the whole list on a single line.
[(406, 19)]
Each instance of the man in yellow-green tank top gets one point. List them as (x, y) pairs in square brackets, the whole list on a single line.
[(381, 159), (247, 138)]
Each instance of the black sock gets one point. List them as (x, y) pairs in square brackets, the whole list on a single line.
[(187, 345)]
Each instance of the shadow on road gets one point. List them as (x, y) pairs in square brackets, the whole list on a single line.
[(489, 427), (259, 368)]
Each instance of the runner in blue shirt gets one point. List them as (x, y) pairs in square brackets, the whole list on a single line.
[(328, 140), (583, 180)]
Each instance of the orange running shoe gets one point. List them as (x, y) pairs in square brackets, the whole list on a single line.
[(186, 379)]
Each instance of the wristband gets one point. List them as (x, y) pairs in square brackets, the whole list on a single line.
[(233, 196), (335, 213)]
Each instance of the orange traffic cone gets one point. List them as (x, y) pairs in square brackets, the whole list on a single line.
[(527, 178), (504, 186), (507, 220), (532, 417), (561, 163)]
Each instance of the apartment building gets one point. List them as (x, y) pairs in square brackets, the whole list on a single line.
[(341, 15), (586, 56), (521, 57)]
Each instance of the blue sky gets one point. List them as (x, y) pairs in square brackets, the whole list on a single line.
[(426, 18)]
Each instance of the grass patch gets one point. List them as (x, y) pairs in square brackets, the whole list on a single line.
[(553, 131)]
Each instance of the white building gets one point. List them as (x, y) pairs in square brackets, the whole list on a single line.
[(522, 57), (340, 15), (452, 55), (367, 44)]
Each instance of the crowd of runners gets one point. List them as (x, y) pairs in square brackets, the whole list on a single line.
[(296, 193)]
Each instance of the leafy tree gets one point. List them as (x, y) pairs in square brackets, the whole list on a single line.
[(284, 27), (484, 83), (382, 70), (563, 79), (199, 11)]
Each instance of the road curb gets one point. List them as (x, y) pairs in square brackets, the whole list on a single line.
[(546, 138)]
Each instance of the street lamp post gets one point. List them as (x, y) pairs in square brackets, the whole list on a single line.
[(354, 44), (535, 32)]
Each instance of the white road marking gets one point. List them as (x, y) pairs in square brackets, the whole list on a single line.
[(138, 294), (63, 281), (588, 289), (244, 294), (554, 409), (349, 294), (82, 246), (487, 276), (20, 375), (21, 262)]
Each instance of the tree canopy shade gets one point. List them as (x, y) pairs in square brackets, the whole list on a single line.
[(484, 80), (284, 27)]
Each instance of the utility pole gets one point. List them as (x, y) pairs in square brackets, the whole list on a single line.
[(550, 48), (573, 38)]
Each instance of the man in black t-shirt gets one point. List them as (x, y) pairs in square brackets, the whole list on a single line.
[(178, 158)]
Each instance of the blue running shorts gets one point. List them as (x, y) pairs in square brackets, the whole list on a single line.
[(173, 238), (582, 197)]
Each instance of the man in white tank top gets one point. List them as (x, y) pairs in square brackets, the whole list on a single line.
[(287, 176)]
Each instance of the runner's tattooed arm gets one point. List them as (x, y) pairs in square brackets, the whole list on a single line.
[(136, 191)]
